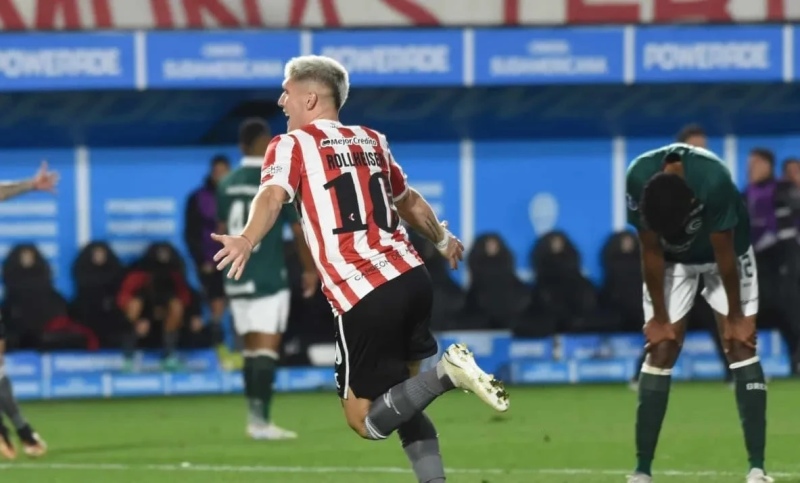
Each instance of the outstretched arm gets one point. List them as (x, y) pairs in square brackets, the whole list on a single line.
[(44, 180), (264, 211), (280, 179), (10, 189)]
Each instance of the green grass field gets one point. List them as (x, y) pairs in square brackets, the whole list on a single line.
[(552, 434)]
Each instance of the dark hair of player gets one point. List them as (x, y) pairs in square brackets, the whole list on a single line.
[(765, 154), (220, 159), (666, 204), (251, 129), (689, 132), (788, 162)]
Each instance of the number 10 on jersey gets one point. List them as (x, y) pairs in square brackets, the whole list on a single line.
[(352, 220)]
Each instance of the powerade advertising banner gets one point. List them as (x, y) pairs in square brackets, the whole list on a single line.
[(67, 61), (721, 54), (425, 57), (441, 57)]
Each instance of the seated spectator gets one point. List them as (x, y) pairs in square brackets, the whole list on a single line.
[(561, 291), (448, 296), (36, 315), (496, 298), (621, 292), (155, 297), (97, 274)]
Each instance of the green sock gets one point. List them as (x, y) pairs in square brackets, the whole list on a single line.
[(653, 397), (253, 404), (751, 399), (263, 379)]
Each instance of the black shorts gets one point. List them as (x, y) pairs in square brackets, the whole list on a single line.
[(213, 284), (381, 334)]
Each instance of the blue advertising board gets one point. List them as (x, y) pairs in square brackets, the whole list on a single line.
[(401, 57), (139, 195), (518, 361), (219, 59), (546, 56), (67, 61), (717, 54), (397, 58)]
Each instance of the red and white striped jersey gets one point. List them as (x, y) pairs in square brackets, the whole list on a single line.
[(345, 182)]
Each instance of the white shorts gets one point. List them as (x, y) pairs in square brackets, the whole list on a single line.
[(680, 287), (267, 315)]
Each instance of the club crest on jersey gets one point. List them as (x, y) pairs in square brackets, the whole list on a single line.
[(351, 141), (271, 170), (693, 226), (695, 221)]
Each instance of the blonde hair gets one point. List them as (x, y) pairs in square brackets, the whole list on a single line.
[(325, 70)]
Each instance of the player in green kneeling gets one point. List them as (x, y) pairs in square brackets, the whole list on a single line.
[(260, 299), (692, 222)]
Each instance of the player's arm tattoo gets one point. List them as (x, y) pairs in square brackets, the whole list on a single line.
[(415, 211), (653, 273), (10, 189), (728, 265)]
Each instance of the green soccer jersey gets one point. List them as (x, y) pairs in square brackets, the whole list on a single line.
[(720, 206), (265, 272)]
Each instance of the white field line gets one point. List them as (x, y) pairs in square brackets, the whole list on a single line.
[(188, 467)]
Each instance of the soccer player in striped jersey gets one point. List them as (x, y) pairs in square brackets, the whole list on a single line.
[(351, 194), (32, 443)]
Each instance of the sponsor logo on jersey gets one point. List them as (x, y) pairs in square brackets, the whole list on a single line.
[(271, 170), (352, 141)]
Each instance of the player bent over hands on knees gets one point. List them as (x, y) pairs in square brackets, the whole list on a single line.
[(692, 223)]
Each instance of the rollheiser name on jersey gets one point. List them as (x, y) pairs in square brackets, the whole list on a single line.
[(346, 182)]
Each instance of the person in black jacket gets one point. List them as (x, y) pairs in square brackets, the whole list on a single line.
[(200, 223)]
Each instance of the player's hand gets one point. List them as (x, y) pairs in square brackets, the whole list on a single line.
[(740, 329), (45, 180), (454, 250), (658, 330), (310, 282), (142, 327), (235, 252)]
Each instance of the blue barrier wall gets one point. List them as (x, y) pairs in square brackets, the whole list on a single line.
[(569, 359), (520, 189)]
